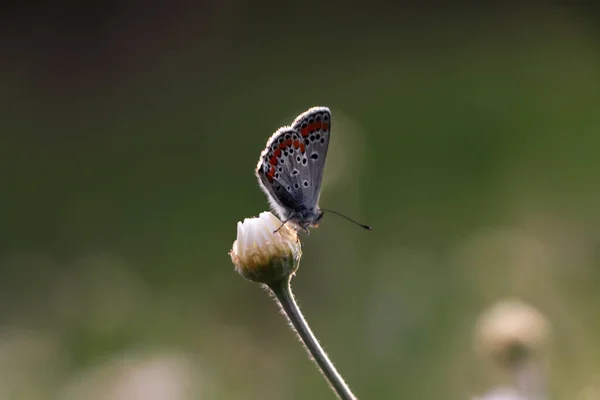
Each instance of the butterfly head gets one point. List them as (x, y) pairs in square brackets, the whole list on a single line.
[(318, 219), (306, 218)]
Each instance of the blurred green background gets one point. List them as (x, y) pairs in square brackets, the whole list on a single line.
[(467, 136)]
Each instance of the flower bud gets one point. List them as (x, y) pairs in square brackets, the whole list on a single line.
[(511, 331), (265, 251)]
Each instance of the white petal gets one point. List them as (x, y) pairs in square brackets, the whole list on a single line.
[(272, 221), (240, 229), (240, 239), (262, 235), (251, 233), (248, 234), (264, 216)]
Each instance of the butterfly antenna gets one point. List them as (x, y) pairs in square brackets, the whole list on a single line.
[(367, 227)]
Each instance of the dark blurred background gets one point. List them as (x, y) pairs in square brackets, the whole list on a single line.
[(466, 134)]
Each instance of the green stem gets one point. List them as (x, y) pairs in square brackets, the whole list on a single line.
[(283, 293), (529, 379)]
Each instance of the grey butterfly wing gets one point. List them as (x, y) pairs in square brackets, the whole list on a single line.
[(278, 172), (290, 168), (314, 126)]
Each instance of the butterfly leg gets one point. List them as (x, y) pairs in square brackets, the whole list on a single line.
[(284, 222)]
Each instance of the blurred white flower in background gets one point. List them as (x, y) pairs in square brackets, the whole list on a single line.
[(31, 364), (262, 255), (512, 334), (510, 327), (152, 376), (502, 393), (590, 392)]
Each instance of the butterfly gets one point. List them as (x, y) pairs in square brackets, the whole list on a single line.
[(290, 168)]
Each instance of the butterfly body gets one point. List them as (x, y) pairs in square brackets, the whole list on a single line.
[(290, 168)]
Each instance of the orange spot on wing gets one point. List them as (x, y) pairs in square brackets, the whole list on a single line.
[(277, 152), (282, 145), (271, 173), (273, 161), (288, 142), (314, 127), (296, 144), (302, 148)]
